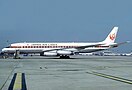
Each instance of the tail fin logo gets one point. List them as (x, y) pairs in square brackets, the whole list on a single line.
[(112, 36)]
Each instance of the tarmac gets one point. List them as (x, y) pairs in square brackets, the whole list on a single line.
[(77, 73)]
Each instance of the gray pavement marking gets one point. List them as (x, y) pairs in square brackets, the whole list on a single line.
[(111, 77), (9, 75)]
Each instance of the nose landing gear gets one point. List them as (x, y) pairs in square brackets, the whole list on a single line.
[(17, 54)]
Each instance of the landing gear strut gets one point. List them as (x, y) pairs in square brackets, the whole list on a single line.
[(16, 54)]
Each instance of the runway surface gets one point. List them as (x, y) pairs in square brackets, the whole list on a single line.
[(78, 73)]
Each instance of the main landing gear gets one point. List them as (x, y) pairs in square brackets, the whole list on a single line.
[(64, 57)]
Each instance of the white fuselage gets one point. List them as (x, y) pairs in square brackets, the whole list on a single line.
[(41, 47)]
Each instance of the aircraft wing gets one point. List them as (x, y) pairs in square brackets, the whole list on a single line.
[(83, 47), (78, 48)]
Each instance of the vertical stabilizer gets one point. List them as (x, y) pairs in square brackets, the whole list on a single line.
[(112, 36)]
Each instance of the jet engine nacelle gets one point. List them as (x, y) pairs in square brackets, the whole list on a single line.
[(49, 54), (57, 53), (64, 52)]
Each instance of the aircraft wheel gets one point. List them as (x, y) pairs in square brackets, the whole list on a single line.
[(64, 57)]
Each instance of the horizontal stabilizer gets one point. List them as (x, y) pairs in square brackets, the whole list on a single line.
[(118, 44)]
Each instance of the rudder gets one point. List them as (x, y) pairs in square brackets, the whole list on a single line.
[(112, 36)]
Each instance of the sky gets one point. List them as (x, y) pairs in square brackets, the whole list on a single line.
[(65, 21)]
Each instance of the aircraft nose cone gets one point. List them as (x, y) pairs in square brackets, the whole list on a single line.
[(3, 50)]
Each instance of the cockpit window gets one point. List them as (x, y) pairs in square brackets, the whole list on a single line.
[(8, 47)]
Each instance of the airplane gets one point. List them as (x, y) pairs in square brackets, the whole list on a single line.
[(63, 50)]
